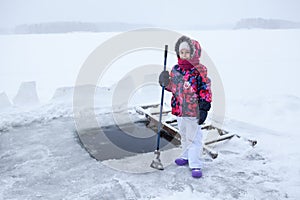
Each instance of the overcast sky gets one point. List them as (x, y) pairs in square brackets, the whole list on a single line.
[(154, 12)]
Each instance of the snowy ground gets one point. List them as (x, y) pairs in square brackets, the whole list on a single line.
[(41, 158)]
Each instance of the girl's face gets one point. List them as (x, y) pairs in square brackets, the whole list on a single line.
[(185, 54)]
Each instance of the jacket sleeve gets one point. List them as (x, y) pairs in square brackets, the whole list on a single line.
[(204, 89), (171, 86)]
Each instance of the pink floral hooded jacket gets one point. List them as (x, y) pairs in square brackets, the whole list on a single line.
[(189, 83)]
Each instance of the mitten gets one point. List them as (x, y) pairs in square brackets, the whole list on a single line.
[(202, 116), (204, 107), (164, 78)]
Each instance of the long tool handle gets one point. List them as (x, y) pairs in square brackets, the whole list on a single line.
[(162, 100)]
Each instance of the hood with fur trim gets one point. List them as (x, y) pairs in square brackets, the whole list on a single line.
[(194, 46), (188, 41)]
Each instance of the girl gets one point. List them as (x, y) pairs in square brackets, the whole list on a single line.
[(191, 100)]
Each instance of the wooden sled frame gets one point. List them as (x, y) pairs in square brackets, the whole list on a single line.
[(168, 129)]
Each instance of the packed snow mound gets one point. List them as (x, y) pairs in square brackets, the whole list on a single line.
[(4, 101), (67, 93), (83, 99), (116, 98), (63, 93), (27, 95)]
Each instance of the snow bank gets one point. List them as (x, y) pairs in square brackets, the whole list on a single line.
[(66, 93), (27, 95), (4, 101)]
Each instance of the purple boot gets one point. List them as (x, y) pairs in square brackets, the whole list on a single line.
[(181, 161), (196, 173)]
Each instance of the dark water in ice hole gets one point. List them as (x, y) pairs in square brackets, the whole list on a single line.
[(115, 142)]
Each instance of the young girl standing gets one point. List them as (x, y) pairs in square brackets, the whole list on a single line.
[(191, 100)]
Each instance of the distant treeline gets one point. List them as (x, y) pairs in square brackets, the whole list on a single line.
[(65, 27), (266, 24)]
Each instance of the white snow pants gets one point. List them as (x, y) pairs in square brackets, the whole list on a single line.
[(191, 140)]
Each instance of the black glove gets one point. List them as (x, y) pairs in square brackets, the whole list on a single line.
[(164, 78), (202, 116), (204, 107)]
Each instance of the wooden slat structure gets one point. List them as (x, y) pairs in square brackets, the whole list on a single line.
[(170, 129)]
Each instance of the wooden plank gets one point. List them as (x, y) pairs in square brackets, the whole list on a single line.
[(211, 127), (164, 112), (213, 154), (170, 129), (221, 138)]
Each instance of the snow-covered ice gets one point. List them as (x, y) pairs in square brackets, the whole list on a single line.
[(41, 157)]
